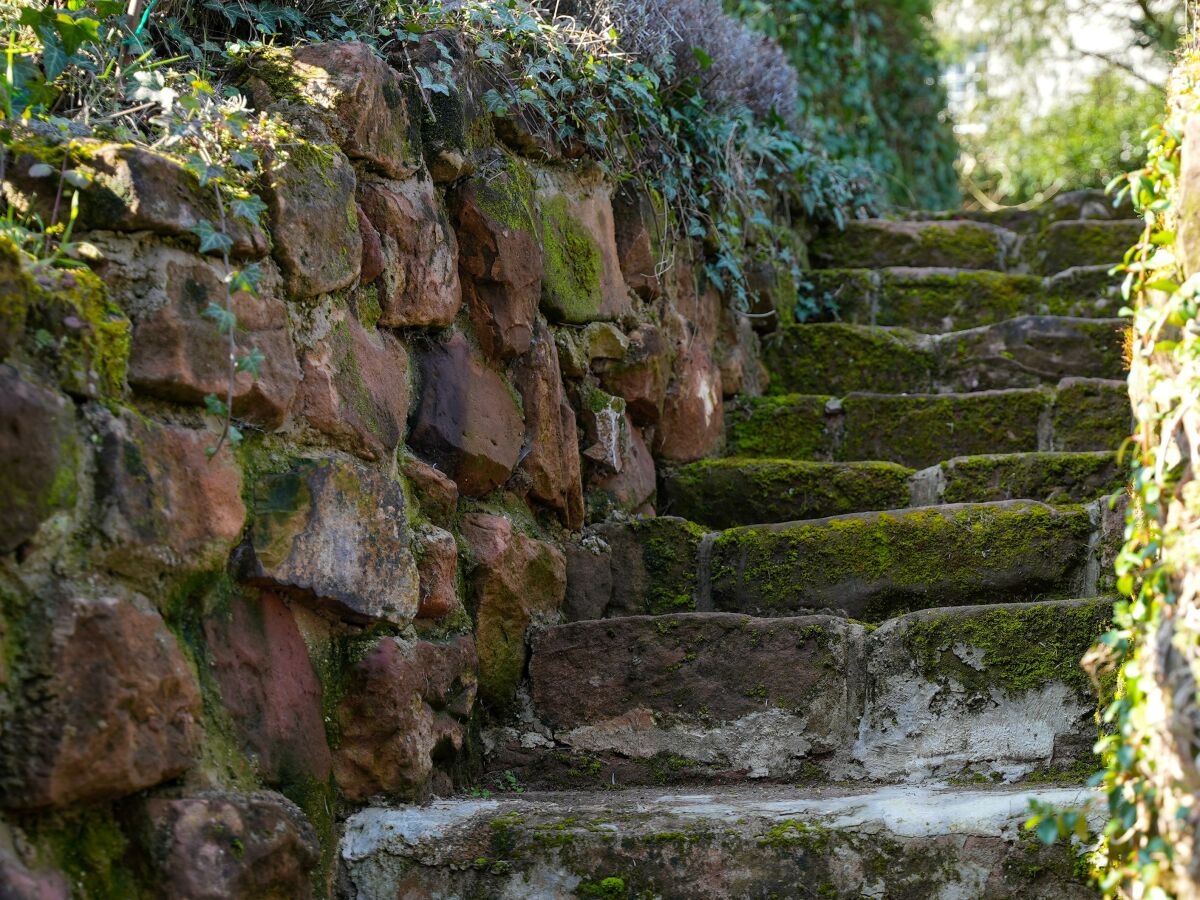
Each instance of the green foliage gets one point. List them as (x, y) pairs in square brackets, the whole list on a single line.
[(869, 91), (1085, 141)]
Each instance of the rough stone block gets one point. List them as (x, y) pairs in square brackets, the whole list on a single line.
[(837, 358), (235, 846), (877, 565), (1091, 414), (177, 352), (402, 723), (437, 566), (750, 694), (108, 704), (40, 455), (269, 688), (1049, 477), (436, 493), (693, 421), (467, 421), (356, 388), (420, 275), (335, 534), (164, 503), (641, 375), (1094, 242), (879, 243), (515, 581), (981, 690)]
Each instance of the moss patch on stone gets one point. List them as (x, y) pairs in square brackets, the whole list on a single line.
[(1049, 477), (571, 285), (785, 427), (1013, 649), (1091, 414), (723, 493), (90, 848), (670, 553), (878, 566), (837, 358), (920, 430), (1085, 242)]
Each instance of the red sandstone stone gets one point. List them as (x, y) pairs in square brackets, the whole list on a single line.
[(634, 229), (373, 262), (437, 565), (642, 375), (109, 706), (403, 719), (693, 418), (635, 484), (437, 494), (467, 421)]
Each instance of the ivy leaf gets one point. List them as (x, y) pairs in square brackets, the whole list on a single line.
[(248, 208), (215, 405), (210, 238), (251, 362), (1047, 831), (41, 170), (245, 280), (226, 320)]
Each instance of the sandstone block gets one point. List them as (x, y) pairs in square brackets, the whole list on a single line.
[(356, 388), (693, 419), (583, 281), (437, 494), (403, 720), (499, 258), (267, 682), (333, 533), (163, 502), (40, 454), (634, 227), (420, 274), (514, 580), (751, 694), (552, 462), (177, 352), (234, 846), (641, 376), (368, 101), (467, 421), (437, 566), (131, 188), (314, 220), (634, 485), (110, 706)]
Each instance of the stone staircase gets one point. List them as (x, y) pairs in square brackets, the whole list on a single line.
[(845, 658)]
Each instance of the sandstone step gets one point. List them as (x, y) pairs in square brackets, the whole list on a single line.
[(877, 565), (1083, 242), (1027, 351), (1081, 204), (724, 493), (992, 693), (1048, 477), (941, 299), (879, 243), (869, 566), (933, 843), (920, 430)]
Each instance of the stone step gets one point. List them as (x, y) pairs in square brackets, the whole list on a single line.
[(881, 243), (1027, 351), (934, 300), (935, 843), (921, 430), (725, 493), (870, 566), (992, 693), (1083, 242), (1081, 204)]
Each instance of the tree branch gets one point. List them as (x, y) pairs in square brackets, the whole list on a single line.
[(1119, 64)]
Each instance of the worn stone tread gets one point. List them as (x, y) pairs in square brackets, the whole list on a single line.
[(933, 299), (1027, 351), (879, 243), (1084, 242), (902, 841), (1051, 477), (919, 430)]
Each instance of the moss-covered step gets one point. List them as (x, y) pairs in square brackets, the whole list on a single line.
[(874, 566), (982, 692), (879, 243), (1084, 242), (1046, 476), (1029, 351), (936, 300), (840, 357), (723, 493), (918, 430), (838, 843)]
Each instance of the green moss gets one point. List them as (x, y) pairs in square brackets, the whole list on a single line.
[(1095, 242), (724, 493), (504, 191), (923, 429), (1012, 649), (837, 358), (1091, 414), (878, 566), (1049, 477), (366, 305), (789, 427), (318, 800), (867, 245), (799, 835), (90, 847), (612, 886), (670, 550), (571, 283)]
